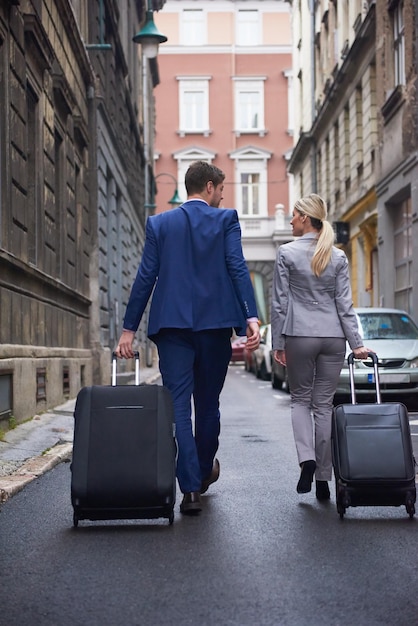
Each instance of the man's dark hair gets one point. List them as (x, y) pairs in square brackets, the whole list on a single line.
[(200, 173)]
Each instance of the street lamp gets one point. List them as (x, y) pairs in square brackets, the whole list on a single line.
[(149, 36), (176, 200)]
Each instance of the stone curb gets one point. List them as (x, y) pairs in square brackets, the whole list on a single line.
[(33, 468)]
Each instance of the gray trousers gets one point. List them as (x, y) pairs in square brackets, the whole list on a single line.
[(313, 368)]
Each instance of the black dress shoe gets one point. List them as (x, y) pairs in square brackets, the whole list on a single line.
[(306, 477), (212, 478), (322, 490), (191, 504)]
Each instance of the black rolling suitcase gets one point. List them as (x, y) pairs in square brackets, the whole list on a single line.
[(124, 452), (372, 452)]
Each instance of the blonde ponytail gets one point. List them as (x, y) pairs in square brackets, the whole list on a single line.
[(315, 207), (323, 250)]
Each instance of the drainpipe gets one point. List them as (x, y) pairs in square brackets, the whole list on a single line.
[(98, 376), (313, 88), (148, 199)]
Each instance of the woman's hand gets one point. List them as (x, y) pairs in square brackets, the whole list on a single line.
[(362, 352), (280, 356)]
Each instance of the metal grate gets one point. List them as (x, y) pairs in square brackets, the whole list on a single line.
[(66, 380), (41, 384), (6, 387)]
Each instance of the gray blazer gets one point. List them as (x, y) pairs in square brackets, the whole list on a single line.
[(304, 305)]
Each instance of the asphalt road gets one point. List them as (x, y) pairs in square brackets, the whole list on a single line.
[(258, 555)]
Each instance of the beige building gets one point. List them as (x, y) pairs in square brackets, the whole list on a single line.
[(355, 114), (335, 151), (225, 96)]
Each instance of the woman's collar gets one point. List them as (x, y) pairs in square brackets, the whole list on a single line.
[(310, 235)]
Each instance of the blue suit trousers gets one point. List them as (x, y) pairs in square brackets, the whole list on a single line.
[(194, 364)]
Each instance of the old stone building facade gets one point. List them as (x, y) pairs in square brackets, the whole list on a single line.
[(355, 103), (71, 192)]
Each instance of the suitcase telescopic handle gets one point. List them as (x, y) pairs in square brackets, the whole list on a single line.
[(350, 361), (114, 361)]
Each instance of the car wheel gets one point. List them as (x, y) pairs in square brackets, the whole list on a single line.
[(286, 383), (412, 403), (263, 373)]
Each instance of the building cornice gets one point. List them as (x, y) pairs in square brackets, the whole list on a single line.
[(300, 151), (368, 201)]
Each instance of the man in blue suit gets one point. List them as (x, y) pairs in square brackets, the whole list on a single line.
[(202, 290)]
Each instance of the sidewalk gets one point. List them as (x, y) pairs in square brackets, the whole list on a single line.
[(36, 446)]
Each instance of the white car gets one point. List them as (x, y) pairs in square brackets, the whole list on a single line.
[(262, 355), (393, 335)]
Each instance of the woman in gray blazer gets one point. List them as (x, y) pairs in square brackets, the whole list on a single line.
[(312, 316)]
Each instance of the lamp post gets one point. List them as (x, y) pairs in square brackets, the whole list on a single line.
[(149, 38), (175, 200)]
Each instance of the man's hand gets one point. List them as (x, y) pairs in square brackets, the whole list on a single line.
[(253, 336), (124, 349)]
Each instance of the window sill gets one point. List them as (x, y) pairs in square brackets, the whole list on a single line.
[(393, 103), (261, 132), (184, 132)]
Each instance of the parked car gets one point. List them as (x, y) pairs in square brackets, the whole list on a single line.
[(393, 335), (249, 364), (262, 354), (238, 346)]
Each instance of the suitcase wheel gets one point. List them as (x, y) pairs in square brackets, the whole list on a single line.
[(343, 502), (171, 518), (340, 510), (75, 520), (410, 508)]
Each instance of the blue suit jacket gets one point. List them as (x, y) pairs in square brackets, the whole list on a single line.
[(193, 257)]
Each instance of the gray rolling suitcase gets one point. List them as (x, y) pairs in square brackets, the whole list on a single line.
[(372, 452), (124, 452)]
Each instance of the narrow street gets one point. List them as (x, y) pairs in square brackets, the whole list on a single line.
[(259, 554)]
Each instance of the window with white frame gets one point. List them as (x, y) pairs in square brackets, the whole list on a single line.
[(248, 27), (249, 106), (290, 102), (399, 43), (251, 187), (194, 105), (193, 29), (250, 193)]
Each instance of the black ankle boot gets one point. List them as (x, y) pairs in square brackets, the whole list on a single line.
[(306, 477), (322, 490)]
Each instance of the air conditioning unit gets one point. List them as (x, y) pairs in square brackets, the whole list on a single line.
[(342, 232)]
